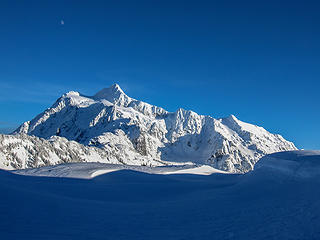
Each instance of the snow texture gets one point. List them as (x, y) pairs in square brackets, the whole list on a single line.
[(266, 203), (90, 170)]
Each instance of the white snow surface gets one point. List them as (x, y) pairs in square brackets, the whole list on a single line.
[(266, 203), (297, 164), (90, 170), (120, 125)]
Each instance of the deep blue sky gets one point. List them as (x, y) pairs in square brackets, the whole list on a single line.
[(258, 60)]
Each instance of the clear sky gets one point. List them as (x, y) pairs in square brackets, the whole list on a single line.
[(258, 60)]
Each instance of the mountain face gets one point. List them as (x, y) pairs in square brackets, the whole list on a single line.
[(114, 123)]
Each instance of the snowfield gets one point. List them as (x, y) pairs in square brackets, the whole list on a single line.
[(279, 199), (90, 170), (298, 164)]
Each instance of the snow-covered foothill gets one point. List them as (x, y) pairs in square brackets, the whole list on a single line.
[(22, 151)]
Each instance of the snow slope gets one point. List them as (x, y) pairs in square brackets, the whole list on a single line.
[(90, 170), (112, 120), (267, 203), (295, 164)]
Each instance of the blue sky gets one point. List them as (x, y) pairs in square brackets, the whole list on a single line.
[(258, 60)]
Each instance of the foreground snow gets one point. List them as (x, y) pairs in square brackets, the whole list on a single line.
[(90, 170), (268, 203)]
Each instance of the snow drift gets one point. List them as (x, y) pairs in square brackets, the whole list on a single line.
[(296, 164)]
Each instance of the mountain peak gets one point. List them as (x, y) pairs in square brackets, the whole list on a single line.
[(116, 87), (71, 94), (111, 93), (232, 117)]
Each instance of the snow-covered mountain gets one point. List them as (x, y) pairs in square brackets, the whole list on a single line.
[(113, 122)]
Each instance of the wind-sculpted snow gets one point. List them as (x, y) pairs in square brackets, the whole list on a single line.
[(294, 164), (89, 170), (266, 203), (111, 119)]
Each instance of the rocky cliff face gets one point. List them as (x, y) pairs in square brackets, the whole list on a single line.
[(112, 120)]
